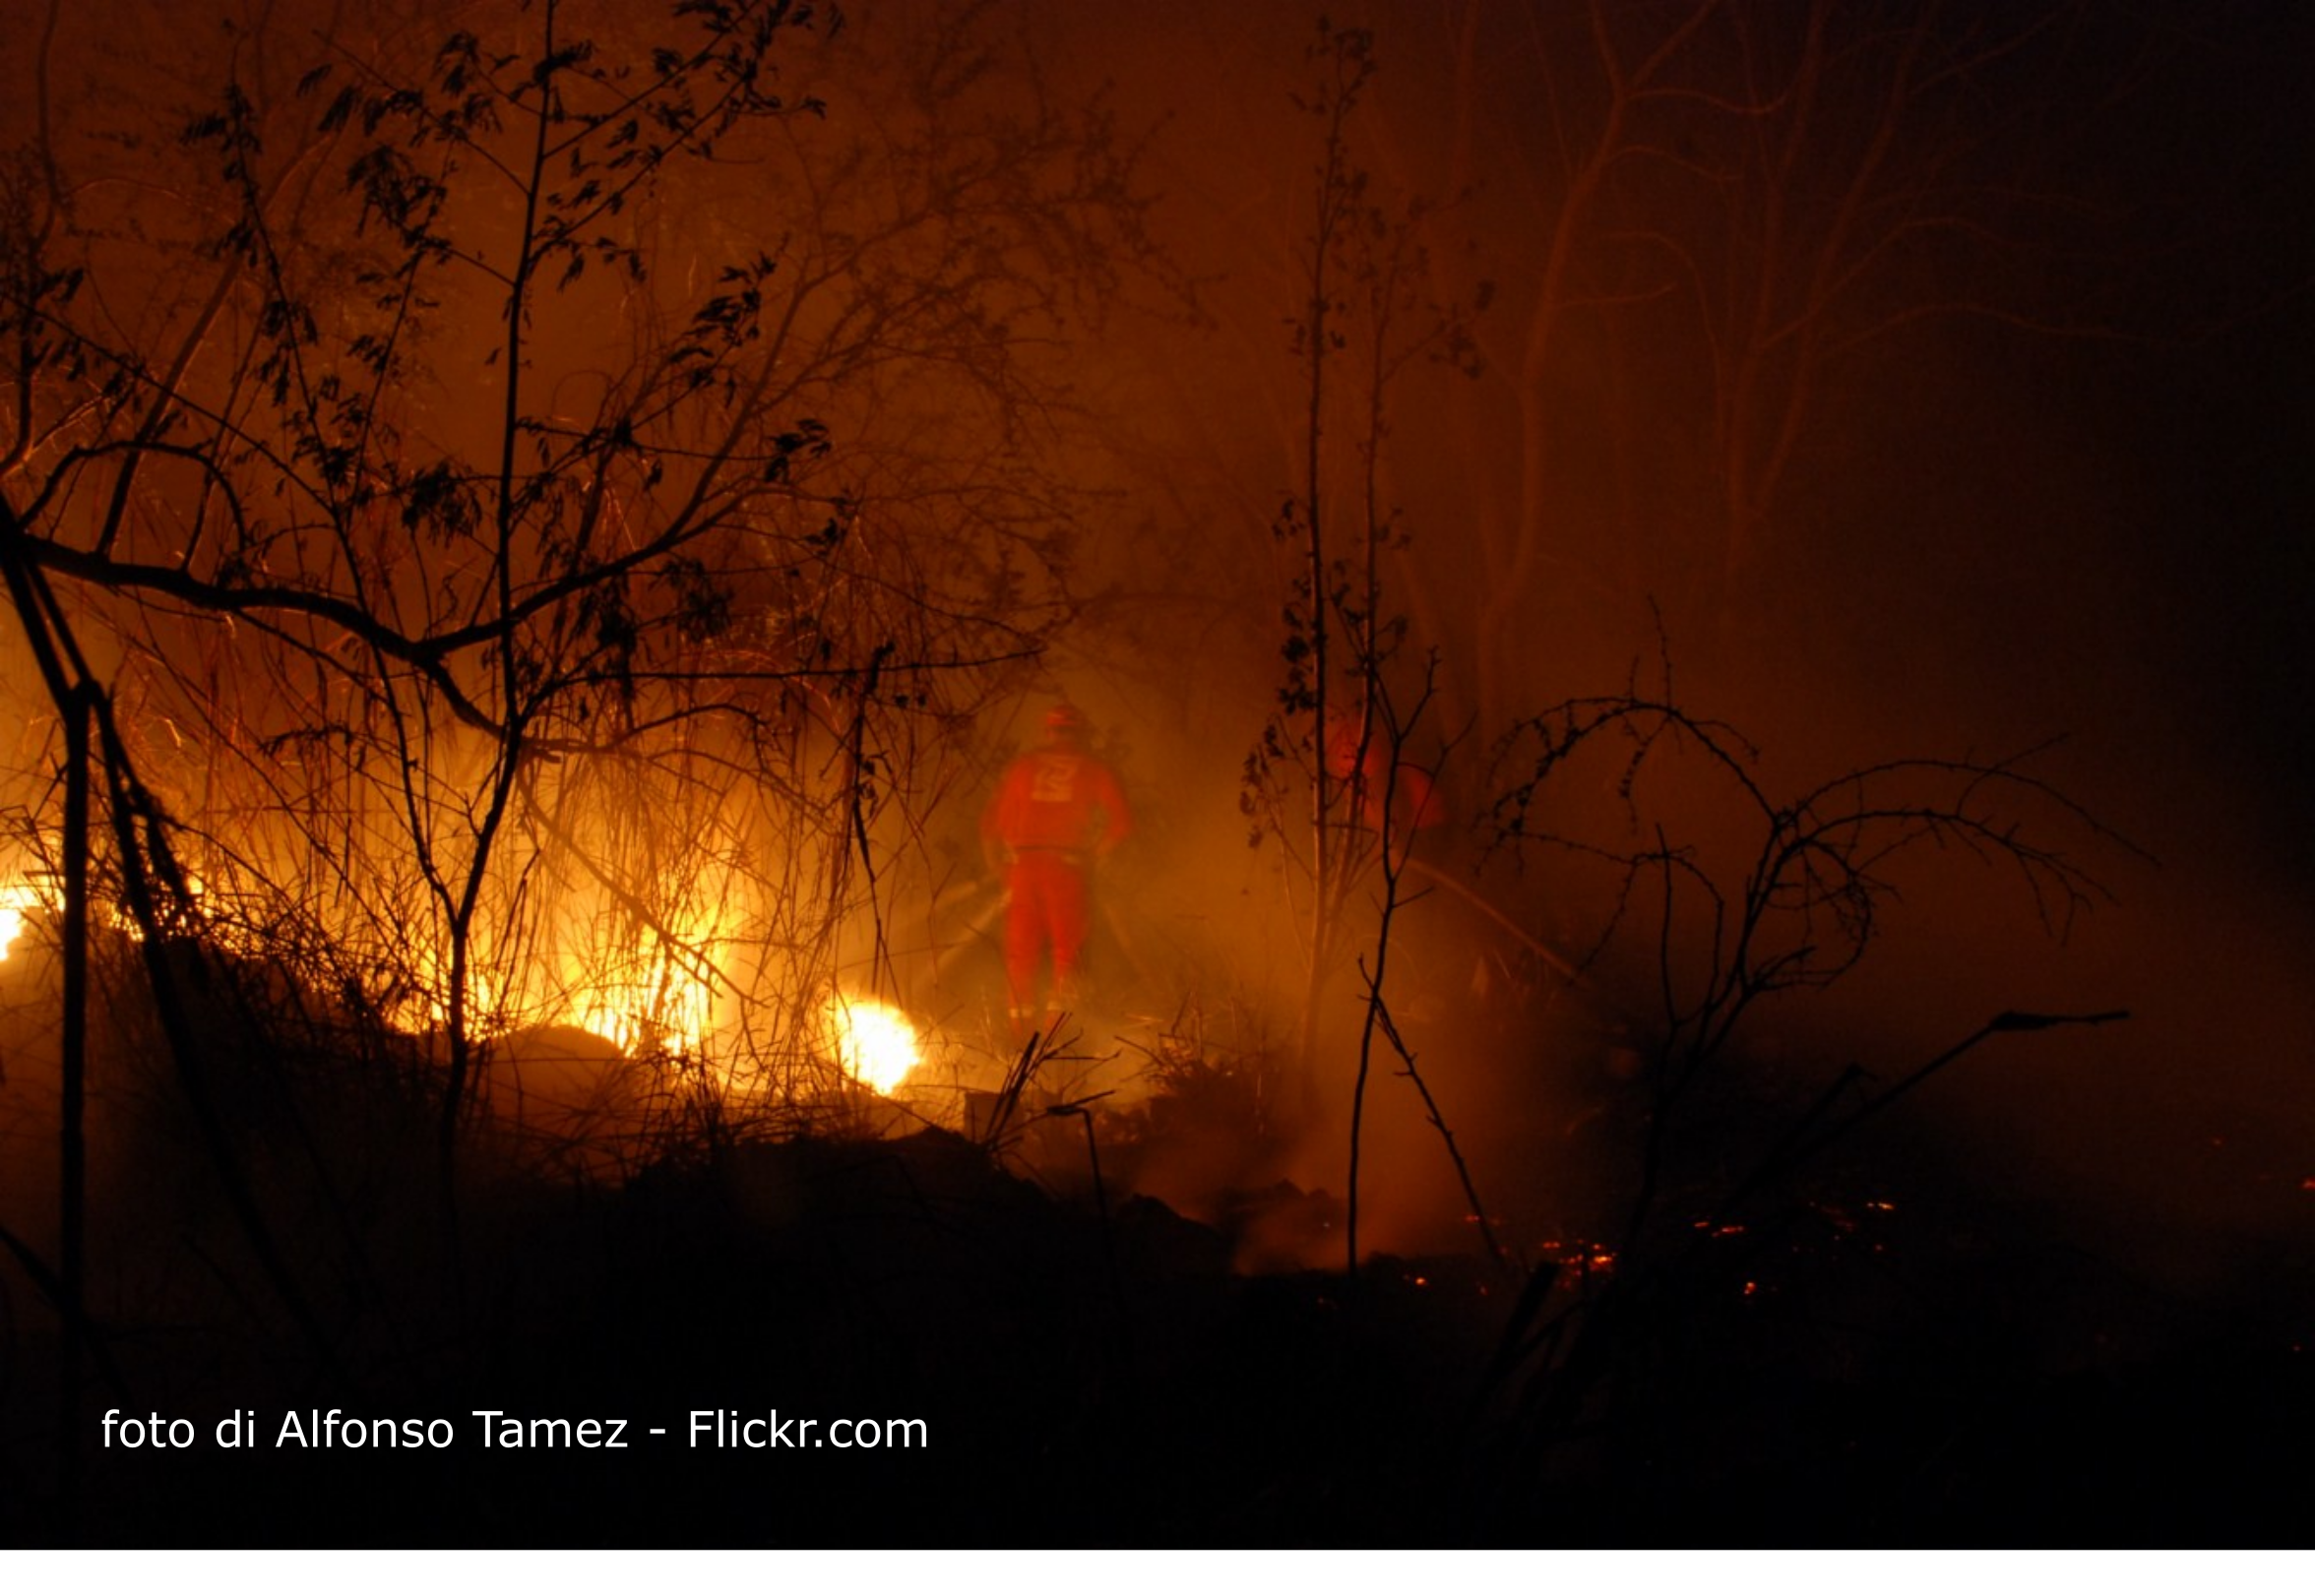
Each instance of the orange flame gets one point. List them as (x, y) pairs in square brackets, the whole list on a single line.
[(874, 1043), (16, 901)]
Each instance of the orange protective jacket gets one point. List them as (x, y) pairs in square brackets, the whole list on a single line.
[(1061, 800)]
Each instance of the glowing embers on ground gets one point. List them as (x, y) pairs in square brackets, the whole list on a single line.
[(873, 1042), (1581, 1258)]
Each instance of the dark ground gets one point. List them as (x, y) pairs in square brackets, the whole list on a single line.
[(1828, 1369)]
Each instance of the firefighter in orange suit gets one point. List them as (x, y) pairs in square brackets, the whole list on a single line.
[(1364, 768), (1057, 812)]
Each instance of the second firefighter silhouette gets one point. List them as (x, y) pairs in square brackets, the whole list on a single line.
[(1058, 810)]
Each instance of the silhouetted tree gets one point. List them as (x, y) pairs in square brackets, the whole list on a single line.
[(1720, 231), (528, 502)]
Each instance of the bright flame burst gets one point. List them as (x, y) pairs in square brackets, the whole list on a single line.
[(15, 902), (874, 1043)]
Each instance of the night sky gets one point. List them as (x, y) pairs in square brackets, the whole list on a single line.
[(1877, 382)]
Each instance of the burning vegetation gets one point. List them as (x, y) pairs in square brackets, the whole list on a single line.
[(538, 540)]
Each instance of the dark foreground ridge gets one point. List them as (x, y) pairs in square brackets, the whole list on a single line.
[(897, 1342)]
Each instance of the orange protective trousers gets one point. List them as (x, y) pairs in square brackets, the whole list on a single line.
[(1048, 913)]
